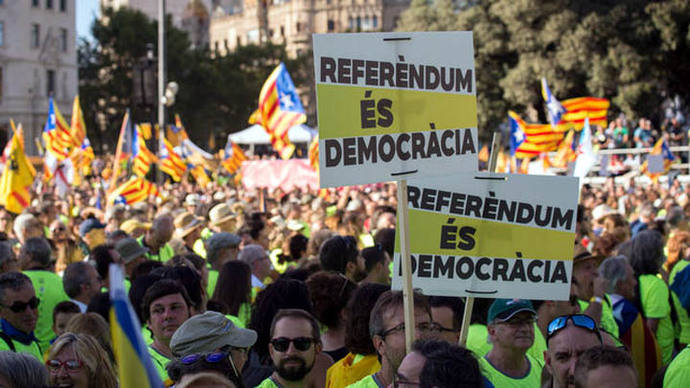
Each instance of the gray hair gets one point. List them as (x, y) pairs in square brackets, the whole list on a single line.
[(252, 253), (36, 249), (6, 252), (75, 275), (14, 281), (613, 270), (23, 370), (21, 223)]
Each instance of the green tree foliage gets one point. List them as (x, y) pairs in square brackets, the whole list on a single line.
[(634, 52), (217, 94)]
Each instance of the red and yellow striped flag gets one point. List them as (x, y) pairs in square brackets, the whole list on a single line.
[(314, 153), (141, 156), (171, 163), (136, 189), (577, 109), (57, 134), (233, 156), (78, 127)]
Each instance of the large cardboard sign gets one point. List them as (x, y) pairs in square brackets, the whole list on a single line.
[(491, 235), (394, 106)]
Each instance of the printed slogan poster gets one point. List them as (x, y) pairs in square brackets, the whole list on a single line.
[(491, 235), (394, 106)]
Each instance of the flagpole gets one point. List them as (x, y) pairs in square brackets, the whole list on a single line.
[(161, 81)]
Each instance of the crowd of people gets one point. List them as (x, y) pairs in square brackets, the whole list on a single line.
[(247, 288)]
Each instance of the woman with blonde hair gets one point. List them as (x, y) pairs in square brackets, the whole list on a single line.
[(80, 361), (94, 325)]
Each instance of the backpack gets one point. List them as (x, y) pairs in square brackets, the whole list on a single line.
[(8, 340)]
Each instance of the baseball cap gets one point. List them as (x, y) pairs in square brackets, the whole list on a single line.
[(90, 224), (207, 332), (504, 309)]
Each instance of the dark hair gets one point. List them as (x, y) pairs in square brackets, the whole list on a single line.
[(297, 245), (100, 304), (176, 369), (234, 286), (65, 307), (329, 294), (447, 365), (386, 237), (188, 278), (12, 281), (36, 249), (144, 268), (336, 252), (646, 253), (74, 277), (103, 258), (159, 289), (357, 338), (598, 356), (455, 304), (298, 314), (281, 294), (372, 256), (390, 300)]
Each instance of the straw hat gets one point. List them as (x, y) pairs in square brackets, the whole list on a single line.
[(220, 213), (186, 223)]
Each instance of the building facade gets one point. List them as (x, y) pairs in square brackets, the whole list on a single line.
[(38, 59), (291, 22)]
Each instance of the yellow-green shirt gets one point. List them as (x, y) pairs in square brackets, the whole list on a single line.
[(160, 362), (368, 382), (531, 379), (678, 372), (268, 383), (654, 295), (477, 336), (165, 252), (48, 288), (32, 349), (608, 322), (539, 346)]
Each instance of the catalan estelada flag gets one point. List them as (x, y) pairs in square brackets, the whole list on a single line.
[(529, 140), (660, 148), (142, 158), (136, 189), (279, 110), (566, 151), (171, 163), (314, 153), (134, 366), (554, 108), (233, 156), (577, 109), (199, 174), (56, 133), (123, 151), (17, 177), (77, 127)]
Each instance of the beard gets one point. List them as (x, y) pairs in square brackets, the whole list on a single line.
[(293, 373)]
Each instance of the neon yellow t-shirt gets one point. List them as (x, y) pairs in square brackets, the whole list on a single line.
[(678, 372), (539, 345), (683, 318), (654, 295), (368, 382), (159, 361), (48, 288), (165, 252), (531, 379), (477, 336), (608, 322), (268, 383), (212, 281), (31, 349)]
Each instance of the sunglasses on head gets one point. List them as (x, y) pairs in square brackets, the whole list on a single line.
[(212, 358), (579, 320), (19, 307), (282, 344)]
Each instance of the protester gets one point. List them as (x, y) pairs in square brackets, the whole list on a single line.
[(92, 232), (547, 311), (188, 229), (511, 333), (567, 337), (440, 364), (157, 237), (234, 292), (295, 343), (605, 366), (21, 370), (94, 325), (340, 254), (678, 372), (329, 294), (77, 360), (377, 265), (165, 307), (131, 253), (66, 247), (220, 248), (27, 226), (81, 283), (19, 312), (222, 218), (257, 259), (446, 312), (62, 313), (8, 259), (204, 379)]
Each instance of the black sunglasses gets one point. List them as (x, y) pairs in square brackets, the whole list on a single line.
[(19, 307), (282, 344)]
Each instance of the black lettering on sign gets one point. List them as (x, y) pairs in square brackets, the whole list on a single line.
[(442, 268), (413, 196), (333, 152), (328, 69)]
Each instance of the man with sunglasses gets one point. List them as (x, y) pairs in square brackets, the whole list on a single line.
[(568, 336), (295, 342), (510, 326), (387, 329), (19, 313)]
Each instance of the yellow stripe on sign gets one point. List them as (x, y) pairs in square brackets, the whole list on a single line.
[(484, 238), (340, 111)]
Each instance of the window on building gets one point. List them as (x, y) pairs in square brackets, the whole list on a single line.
[(330, 25), (35, 35), (350, 23), (215, 46), (63, 39), (63, 5), (49, 4), (359, 23), (299, 26), (282, 31), (50, 83), (34, 3), (225, 44), (375, 21), (367, 26)]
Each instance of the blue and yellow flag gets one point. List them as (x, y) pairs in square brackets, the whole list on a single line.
[(134, 366)]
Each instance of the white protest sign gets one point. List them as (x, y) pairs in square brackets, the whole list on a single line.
[(492, 235), (394, 106)]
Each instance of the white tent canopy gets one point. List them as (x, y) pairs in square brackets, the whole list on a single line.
[(257, 135)]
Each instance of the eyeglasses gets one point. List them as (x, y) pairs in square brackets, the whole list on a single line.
[(400, 382), (282, 344), (58, 229), (579, 320), (212, 358), (425, 327), (71, 366), (19, 307)]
